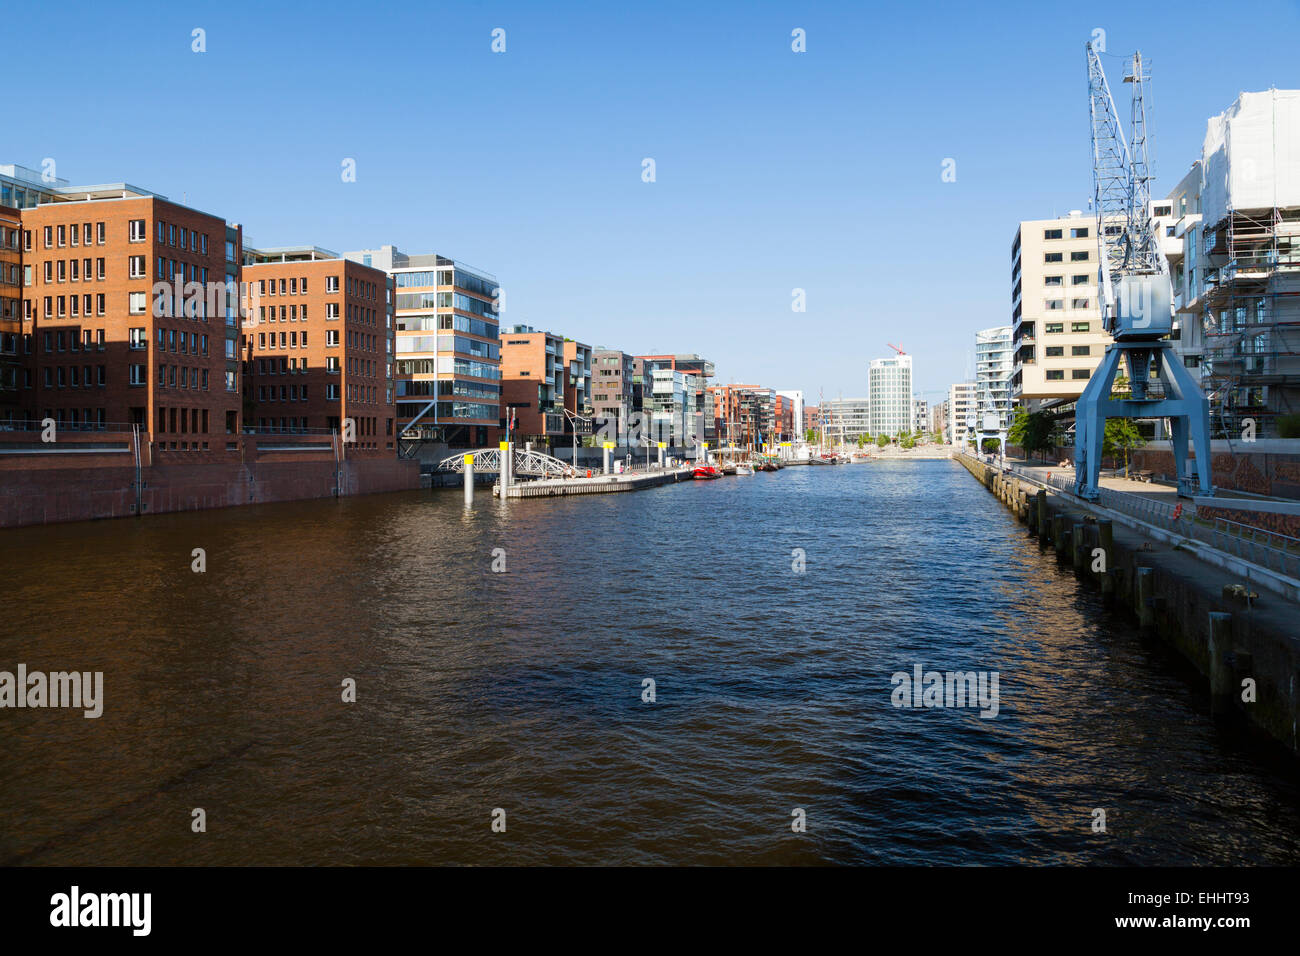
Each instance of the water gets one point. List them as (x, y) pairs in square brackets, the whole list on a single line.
[(522, 690)]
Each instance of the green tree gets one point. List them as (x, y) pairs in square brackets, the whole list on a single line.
[(1121, 434), (909, 441), (882, 440), (1032, 431)]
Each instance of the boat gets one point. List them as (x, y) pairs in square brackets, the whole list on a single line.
[(822, 460), (744, 468), (705, 472)]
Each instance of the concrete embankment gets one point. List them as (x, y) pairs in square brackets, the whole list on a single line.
[(1247, 649)]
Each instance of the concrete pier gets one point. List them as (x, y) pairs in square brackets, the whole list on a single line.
[(1203, 610), (596, 485)]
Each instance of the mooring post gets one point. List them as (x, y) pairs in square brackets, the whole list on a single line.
[(469, 481), (1146, 611), (1058, 534), (1106, 540), (1221, 677), (1042, 515), (1078, 546)]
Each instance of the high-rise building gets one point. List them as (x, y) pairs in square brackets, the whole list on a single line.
[(1057, 336), (317, 347), (446, 347), (889, 391), (920, 414), (961, 406), (994, 366)]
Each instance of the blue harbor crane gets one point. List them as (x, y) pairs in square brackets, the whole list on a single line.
[(1136, 300)]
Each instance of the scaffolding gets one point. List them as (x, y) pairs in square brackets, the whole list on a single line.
[(1251, 320)]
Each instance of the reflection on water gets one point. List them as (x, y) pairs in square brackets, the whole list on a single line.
[(522, 690)]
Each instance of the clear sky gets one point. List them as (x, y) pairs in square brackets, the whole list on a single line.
[(775, 170)]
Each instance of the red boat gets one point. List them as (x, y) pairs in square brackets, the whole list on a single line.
[(706, 471)]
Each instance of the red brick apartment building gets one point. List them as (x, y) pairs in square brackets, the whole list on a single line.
[(103, 346), (11, 316), (316, 347)]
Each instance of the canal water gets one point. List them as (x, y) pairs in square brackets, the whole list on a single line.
[(522, 689)]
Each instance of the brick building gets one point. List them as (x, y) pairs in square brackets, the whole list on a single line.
[(317, 347), (130, 317)]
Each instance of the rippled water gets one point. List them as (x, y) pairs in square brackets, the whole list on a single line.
[(522, 690)]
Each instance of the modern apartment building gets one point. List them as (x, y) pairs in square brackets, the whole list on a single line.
[(994, 367), (744, 415), (847, 419), (578, 388), (130, 314), (961, 407), (1057, 336), (920, 414), (689, 408), (542, 375), (889, 392), (795, 399), (317, 347), (611, 388), (783, 417), (447, 347)]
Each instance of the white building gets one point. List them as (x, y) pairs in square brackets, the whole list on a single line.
[(846, 419), (889, 390), (994, 366), (920, 414), (961, 406)]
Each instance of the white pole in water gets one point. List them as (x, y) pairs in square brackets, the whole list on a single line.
[(507, 460), (469, 481), (661, 455), (608, 446)]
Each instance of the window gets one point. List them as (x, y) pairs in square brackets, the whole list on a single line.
[(137, 267), (1055, 351), (1080, 349), (1079, 303), (331, 337), (332, 285), (139, 303), (1051, 234), (1079, 374), (1051, 327), (100, 233), (137, 230), (1079, 280), (1052, 256), (1163, 211), (1079, 256), (1053, 280), (138, 376), (1056, 374), (1080, 326), (139, 338), (1054, 305), (1079, 233)]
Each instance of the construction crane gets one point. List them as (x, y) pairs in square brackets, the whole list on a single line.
[(895, 348), (1136, 298)]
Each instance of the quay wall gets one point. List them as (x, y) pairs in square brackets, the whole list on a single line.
[(101, 481), (1195, 607)]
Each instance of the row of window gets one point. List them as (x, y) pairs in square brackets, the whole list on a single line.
[(1080, 256), (1053, 327), (1079, 232), (1083, 279), (1058, 305), (1077, 374), (181, 376), (183, 421)]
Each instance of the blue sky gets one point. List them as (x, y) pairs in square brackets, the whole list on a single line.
[(774, 170)]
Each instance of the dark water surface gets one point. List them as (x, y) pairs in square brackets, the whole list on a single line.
[(522, 690)]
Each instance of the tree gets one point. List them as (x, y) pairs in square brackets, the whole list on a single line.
[(1032, 431), (1121, 434), (909, 441), (882, 440)]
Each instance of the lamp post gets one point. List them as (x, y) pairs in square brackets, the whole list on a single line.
[(574, 418)]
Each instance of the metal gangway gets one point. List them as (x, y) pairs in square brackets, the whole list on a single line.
[(525, 462)]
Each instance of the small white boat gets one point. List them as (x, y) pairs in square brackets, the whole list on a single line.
[(744, 468)]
